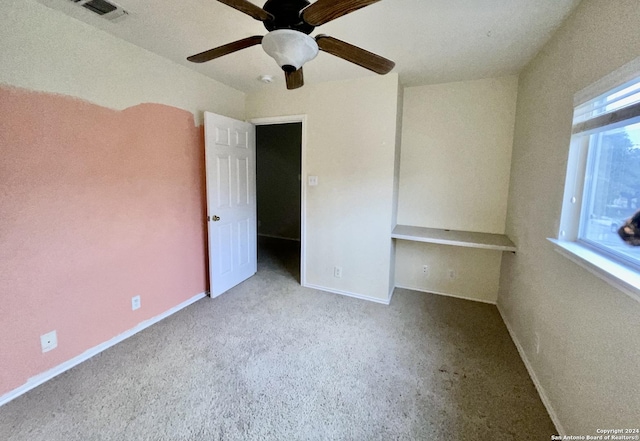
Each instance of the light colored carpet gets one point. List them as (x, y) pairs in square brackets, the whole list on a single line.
[(270, 360)]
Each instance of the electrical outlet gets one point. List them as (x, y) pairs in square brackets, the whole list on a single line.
[(337, 272), (135, 303), (49, 341), (452, 274), (425, 270), (313, 181)]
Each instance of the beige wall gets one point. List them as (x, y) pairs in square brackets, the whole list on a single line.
[(580, 336), (456, 154), (396, 183), (477, 271), (43, 49), (454, 174), (351, 136)]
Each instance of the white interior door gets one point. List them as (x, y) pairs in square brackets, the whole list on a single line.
[(230, 153)]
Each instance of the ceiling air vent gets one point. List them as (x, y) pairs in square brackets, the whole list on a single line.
[(105, 9)]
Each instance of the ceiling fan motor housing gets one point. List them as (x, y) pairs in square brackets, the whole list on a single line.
[(287, 14), (291, 49)]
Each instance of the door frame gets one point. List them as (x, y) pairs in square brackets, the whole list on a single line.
[(303, 178)]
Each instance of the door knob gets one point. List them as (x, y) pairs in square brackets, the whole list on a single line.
[(215, 218)]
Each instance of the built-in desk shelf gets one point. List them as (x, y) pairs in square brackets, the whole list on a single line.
[(469, 239)]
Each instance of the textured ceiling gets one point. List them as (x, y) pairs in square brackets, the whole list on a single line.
[(431, 41)]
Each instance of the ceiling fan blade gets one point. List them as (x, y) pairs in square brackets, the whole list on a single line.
[(294, 79), (248, 8), (226, 49), (354, 54), (323, 11)]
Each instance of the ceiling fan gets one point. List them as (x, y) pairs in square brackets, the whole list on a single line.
[(289, 23)]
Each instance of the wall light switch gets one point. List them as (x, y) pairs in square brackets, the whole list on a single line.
[(313, 181)]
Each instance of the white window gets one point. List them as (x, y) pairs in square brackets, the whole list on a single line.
[(602, 188)]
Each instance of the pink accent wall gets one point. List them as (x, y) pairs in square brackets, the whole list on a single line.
[(96, 206)]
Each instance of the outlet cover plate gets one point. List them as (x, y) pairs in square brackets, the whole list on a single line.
[(49, 341), (135, 303)]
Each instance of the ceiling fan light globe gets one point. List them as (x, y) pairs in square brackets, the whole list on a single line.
[(290, 48)]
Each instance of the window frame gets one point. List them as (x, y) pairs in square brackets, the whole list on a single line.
[(624, 275), (591, 166)]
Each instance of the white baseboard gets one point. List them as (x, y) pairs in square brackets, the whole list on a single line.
[(348, 294), (473, 299), (48, 375), (393, 289), (534, 378)]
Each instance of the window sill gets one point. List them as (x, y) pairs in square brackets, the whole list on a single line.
[(617, 275)]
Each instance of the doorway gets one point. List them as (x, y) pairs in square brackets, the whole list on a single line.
[(280, 194)]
